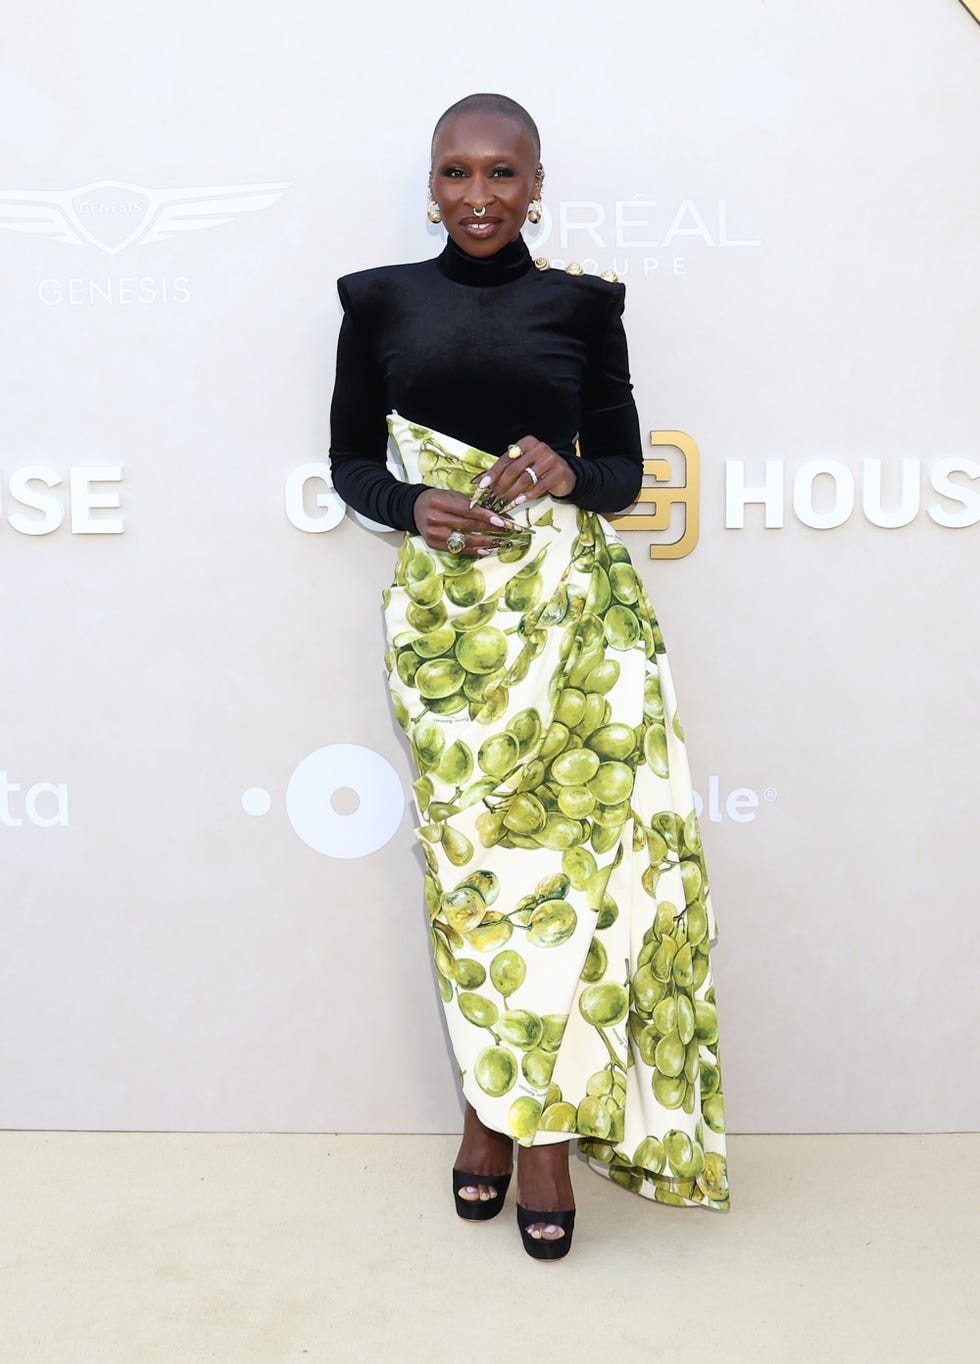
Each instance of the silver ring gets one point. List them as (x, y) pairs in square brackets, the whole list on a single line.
[(456, 541), (534, 477)]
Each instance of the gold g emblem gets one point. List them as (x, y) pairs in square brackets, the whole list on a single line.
[(662, 496)]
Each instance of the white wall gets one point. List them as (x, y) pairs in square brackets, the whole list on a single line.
[(170, 961)]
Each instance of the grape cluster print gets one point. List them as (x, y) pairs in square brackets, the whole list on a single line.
[(566, 889)]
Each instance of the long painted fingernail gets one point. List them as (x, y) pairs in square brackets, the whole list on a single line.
[(499, 521), (485, 481), (486, 551)]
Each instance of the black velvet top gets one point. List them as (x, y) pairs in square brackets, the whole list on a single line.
[(486, 350)]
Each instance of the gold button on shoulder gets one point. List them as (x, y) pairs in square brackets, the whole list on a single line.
[(542, 263), (610, 276), (574, 269)]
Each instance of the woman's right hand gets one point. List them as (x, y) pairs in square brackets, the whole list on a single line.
[(439, 512)]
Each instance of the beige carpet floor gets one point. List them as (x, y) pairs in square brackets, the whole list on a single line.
[(168, 1248)]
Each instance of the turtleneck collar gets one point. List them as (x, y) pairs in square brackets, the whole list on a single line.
[(509, 263)]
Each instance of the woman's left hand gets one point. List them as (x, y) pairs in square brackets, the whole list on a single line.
[(521, 478)]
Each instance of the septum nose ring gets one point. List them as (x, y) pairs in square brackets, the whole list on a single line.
[(479, 212)]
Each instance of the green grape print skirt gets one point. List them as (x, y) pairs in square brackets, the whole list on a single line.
[(568, 899)]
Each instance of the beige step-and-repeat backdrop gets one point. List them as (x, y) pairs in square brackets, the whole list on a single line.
[(210, 911)]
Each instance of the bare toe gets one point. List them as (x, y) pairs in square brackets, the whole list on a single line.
[(545, 1231)]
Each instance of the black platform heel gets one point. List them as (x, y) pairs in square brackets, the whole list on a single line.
[(542, 1249), (475, 1209)]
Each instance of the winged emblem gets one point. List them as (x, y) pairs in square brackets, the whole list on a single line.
[(112, 214)]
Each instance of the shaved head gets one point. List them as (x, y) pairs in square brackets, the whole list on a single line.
[(500, 105)]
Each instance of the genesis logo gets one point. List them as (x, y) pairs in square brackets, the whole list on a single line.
[(113, 215)]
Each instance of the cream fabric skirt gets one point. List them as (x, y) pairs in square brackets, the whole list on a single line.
[(568, 898)]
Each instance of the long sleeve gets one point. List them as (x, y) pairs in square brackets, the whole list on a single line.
[(610, 472), (359, 430), (484, 351)]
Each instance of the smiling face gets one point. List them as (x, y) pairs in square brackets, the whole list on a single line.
[(484, 161)]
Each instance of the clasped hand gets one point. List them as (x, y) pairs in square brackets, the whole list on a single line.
[(438, 512)]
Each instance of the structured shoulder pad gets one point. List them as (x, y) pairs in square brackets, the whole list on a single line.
[(375, 286)]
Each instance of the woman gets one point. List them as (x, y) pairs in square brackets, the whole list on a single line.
[(567, 894)]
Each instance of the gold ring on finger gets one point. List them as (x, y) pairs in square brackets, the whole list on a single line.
[(514, 451)]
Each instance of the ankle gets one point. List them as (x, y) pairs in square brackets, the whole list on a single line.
[(543, 1179), (484, 1151)]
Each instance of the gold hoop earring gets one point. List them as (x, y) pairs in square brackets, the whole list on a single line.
[(433, 212), (534, 211)]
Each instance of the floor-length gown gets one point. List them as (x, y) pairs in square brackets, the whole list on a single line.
[(569, 903)]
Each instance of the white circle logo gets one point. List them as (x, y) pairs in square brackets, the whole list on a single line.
[(319, 795), (256, 801)]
